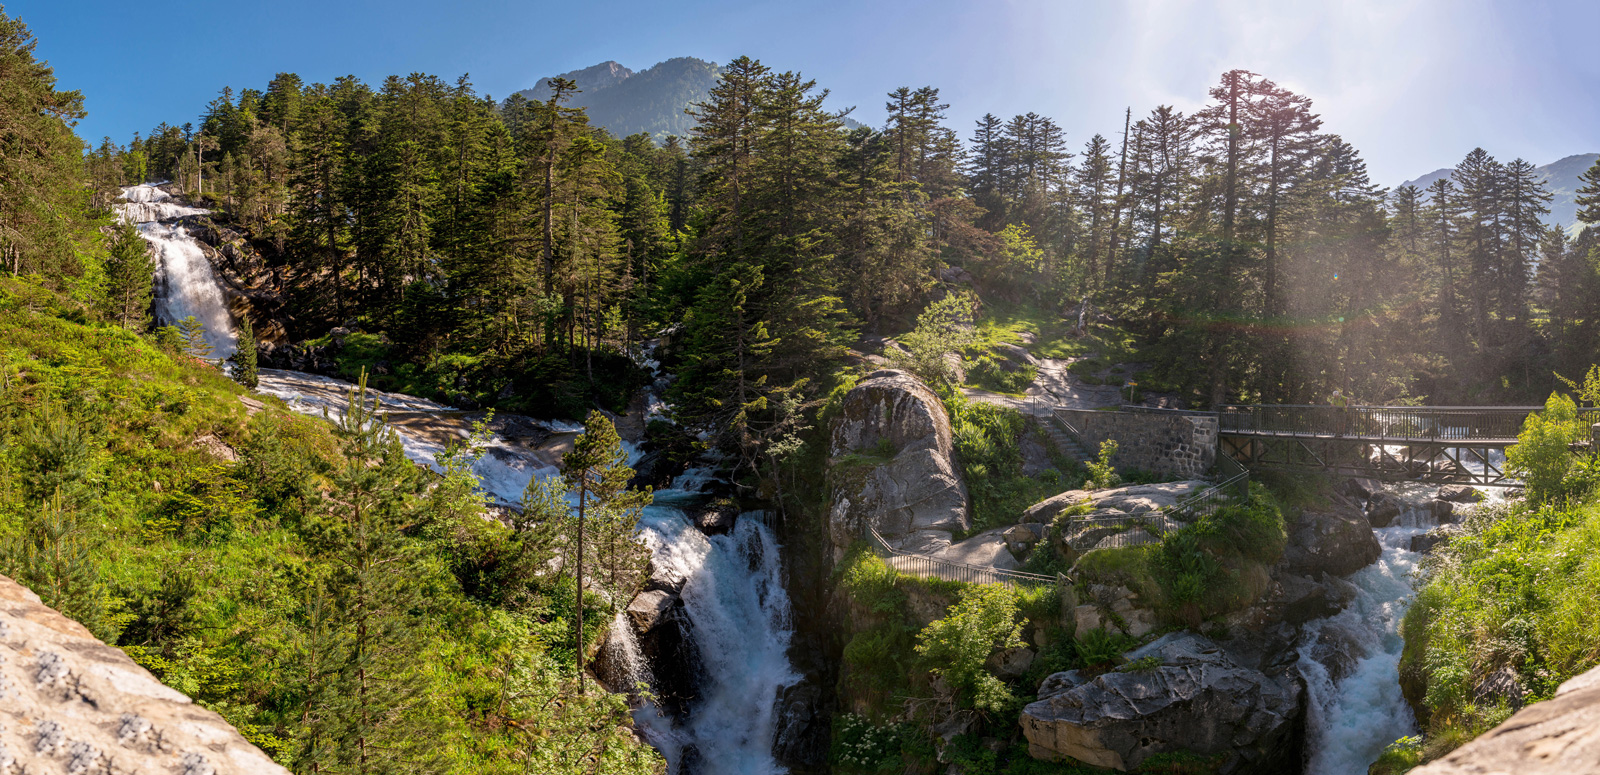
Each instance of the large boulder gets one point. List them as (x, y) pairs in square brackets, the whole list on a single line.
[(985, 550), (891, 468), (1336, 540), (1046, 510), (1560, 736), (1197, 700), (1384, 508), (76, 705)]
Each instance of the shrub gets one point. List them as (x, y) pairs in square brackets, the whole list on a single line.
[(1101, 473), (956, 647), (1541, 455)]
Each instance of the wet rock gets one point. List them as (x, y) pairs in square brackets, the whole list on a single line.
[(1304, 599), (1435, 538), (1337, 650), (1198, 700), (648, 608), (801, 741), (1361, 489), (1384, 508), (891, 466), (1336, 540), (1460, 493), (1443, 511), (717, 517), (1560, 736)]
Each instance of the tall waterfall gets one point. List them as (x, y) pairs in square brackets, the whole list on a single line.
[(185, 283)]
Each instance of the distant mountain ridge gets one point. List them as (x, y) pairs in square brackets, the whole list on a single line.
[(628, 102), (1561, 177)]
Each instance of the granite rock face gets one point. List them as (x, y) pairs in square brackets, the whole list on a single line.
[(891, 467), (73, 704), (1197, 700)]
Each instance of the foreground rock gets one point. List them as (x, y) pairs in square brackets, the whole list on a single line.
[(1560, 736), (890, 467), (1198, 700), (76, 705)]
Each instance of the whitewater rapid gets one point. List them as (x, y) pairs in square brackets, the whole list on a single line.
[(1351, 720)]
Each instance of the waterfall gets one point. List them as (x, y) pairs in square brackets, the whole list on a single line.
[(185, 283), (739, 616), (733, 596), (1351, 660)]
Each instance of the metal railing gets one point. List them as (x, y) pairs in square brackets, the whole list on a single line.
[(925, 566), (1386, 423), (1114, 532)]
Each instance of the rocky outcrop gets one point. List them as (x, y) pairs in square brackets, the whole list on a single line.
[(75, 705), (1435, 538), (891, 467), (1560, 736), (1336, 540), (1197, 700)]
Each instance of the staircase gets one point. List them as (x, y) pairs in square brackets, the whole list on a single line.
[(1062, 436)]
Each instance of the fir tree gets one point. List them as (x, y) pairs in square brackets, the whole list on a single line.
[(597, 469), (244, 355)]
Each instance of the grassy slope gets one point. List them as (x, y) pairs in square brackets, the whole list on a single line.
[(204, 564)]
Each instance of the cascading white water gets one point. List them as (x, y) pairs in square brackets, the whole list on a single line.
[(734, 598), (185, 283), (1352, 719), (739, 616)]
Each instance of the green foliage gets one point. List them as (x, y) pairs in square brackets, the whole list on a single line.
[(943, 329), (243, 359), (1101, 472), (128, 271), (956, 646), (859, 746), (1514, 592), (1101, 646), (1400, 756), (193, 334), (988, 442), (1217, 564), (1541, 457), (248, 584)]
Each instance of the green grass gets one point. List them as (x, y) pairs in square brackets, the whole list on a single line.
[(200, 568)]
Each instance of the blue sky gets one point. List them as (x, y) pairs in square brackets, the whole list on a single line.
[(1414, 84)]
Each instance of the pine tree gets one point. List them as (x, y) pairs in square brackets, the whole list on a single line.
[(193, 333), (1588, 195), (597, 468), (128, 272), (244, 355)]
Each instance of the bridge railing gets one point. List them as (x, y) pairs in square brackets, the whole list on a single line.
[(926, 566), (1398, 423)]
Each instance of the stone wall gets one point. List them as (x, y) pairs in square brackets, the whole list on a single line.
[(1171, 443), (69, 703)]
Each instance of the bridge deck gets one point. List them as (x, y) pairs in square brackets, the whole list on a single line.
[(1379, 438)]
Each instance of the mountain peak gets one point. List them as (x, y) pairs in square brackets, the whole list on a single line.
[(628, 102), (1560, 178)]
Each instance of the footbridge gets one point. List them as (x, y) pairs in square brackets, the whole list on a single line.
[(1438, 444), (1442, 444)]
